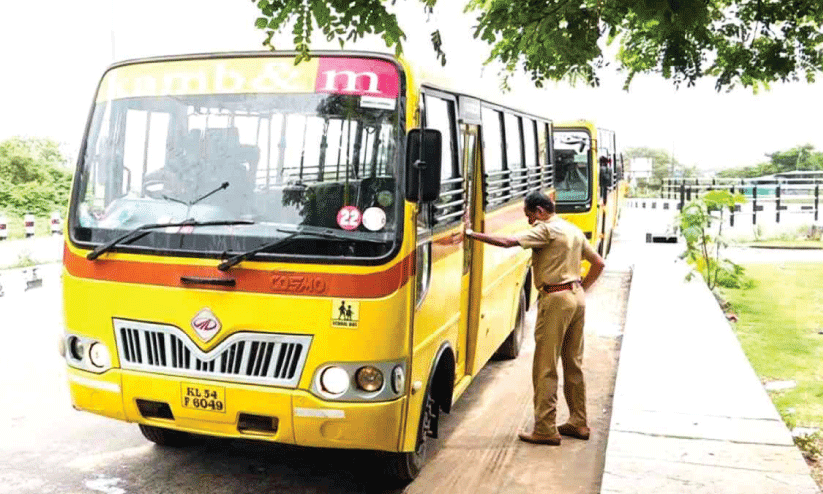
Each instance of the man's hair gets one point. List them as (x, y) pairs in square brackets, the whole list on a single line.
[(535, 199)]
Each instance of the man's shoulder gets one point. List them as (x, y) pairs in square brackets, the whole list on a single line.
[(568, 228), (564, 223)]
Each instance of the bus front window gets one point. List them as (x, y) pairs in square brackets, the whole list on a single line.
[(279, 160), (572, 151)]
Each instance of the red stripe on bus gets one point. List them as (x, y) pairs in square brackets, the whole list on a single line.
[(372, 285)]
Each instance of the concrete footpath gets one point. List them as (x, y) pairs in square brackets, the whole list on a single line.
[(689, 414)]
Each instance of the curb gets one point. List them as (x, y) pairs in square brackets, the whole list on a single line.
[(780, 247)]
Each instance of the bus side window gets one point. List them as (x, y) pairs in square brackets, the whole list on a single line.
[(514, 155), (440, 115), (530, 149), (495, 177)]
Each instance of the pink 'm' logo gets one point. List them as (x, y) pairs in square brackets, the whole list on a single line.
[(358, 76), (205, 324)]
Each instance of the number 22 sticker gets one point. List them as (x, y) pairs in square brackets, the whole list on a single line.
[(349, 217)]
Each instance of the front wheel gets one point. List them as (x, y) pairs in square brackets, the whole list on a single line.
[(510, 348), (405, 467)]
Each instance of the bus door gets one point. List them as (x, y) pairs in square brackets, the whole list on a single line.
[(471, 279), (444, 303)]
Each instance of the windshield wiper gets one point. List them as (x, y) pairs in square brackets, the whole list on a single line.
[(305, 231), (143, 230), (223, 186)]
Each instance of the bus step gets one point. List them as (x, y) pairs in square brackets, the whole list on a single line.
[(154, 409), (257, 423)]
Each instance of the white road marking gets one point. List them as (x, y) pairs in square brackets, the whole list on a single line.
[(107, 485)]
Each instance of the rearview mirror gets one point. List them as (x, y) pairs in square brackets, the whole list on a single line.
[(423, 152)]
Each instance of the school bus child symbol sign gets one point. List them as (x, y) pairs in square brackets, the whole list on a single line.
[(345, 313)]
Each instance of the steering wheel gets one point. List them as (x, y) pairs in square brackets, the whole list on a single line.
[(155, 188)]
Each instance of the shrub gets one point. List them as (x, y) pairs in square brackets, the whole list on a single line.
[(704, 241)]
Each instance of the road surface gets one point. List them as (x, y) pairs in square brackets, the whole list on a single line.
[(47, 447)]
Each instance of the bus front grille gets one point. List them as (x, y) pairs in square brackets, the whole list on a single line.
[(257, 358)]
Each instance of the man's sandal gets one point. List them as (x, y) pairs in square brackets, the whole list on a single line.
[(572, 431), (535, 438)]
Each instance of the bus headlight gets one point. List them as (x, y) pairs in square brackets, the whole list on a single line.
[(84, 353), (76, 348), (398, 380), (360, 381), (334, 380), (99, 355), (369, 378)]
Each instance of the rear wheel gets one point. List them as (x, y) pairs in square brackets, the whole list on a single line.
[(609, 244), (510, 348), (167, 437)]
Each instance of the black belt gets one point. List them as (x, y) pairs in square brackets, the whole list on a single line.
[(558, 288)]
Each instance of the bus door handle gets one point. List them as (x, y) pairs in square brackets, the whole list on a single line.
[(195, 280)]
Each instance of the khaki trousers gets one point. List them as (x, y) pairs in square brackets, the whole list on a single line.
[(558, 334)]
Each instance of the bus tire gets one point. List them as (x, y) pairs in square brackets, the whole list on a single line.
[(510, 348), (609, 244), (404, 467), (166, 437)]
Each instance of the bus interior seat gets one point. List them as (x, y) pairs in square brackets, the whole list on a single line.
[(326, 199), (226, 160)]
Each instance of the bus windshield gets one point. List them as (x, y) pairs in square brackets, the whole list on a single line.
[(572, 151), (279, 160)]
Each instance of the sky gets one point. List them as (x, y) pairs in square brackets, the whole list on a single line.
[(55, 52)]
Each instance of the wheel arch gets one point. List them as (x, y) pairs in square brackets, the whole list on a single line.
[(441, 377)]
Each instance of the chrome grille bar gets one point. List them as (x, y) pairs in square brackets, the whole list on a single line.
[(256, 358)]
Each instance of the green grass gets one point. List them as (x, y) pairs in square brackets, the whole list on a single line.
[(16, 227), (778, 325), (789, 244)]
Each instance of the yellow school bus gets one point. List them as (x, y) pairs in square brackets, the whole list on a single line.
[(274, 251), (589, 180)]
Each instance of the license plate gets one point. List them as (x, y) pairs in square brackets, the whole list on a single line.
[(200, 397)]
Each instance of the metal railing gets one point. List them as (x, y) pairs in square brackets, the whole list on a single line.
[(781, 194)]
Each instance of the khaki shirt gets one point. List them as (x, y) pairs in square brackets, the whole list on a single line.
[(557, 251)]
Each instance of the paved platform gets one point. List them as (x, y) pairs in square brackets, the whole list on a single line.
[(689, 413)]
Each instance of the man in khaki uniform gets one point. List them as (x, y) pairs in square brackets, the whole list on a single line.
[(558, 247)]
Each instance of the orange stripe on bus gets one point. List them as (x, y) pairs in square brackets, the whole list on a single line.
[(372, 285)]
